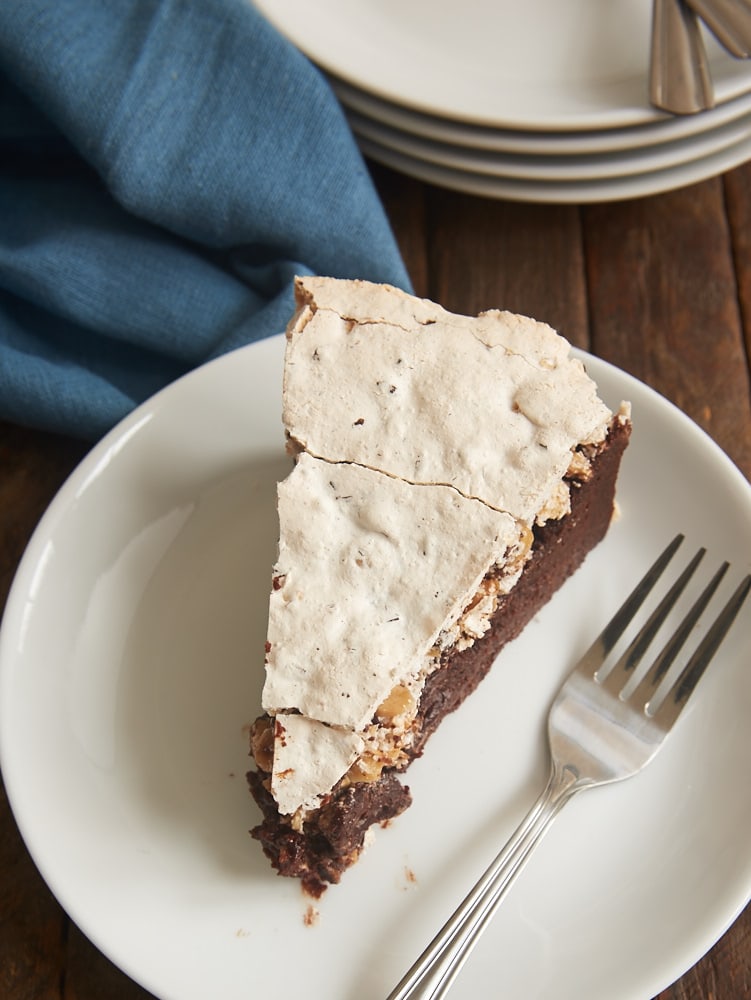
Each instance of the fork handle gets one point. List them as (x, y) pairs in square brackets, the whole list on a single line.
[(434, 971)]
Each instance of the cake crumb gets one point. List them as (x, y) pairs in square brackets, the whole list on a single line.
[(313, 887), (242, 932), (409, 876), (310, 919)]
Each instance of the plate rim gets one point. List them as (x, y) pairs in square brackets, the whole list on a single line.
[(666, 130), (347, 56)]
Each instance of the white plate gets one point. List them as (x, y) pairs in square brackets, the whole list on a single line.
[(528, 189), (668, 129), (552, 169), (539, 65), (131, 659)]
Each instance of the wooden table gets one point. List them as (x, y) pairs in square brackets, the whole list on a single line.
[(659, 286)]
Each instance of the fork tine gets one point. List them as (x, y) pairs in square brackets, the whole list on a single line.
[(679, 694), (632, 657), (651, 680), (595, 656)]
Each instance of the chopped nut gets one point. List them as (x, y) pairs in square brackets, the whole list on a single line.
[(580, 467), (262, 742), (557, 506), (364, 770), (400, 702)]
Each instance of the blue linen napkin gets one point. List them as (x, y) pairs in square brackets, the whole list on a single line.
[(166, 168)]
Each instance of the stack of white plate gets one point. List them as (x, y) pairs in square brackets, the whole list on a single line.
[(533, 100)]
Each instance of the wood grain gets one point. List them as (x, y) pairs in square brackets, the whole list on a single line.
[(664, 306), (33, 927)]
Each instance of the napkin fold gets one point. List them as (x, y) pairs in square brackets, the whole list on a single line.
[(166, 168)]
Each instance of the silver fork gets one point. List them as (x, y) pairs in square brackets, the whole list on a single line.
[(604, 725)]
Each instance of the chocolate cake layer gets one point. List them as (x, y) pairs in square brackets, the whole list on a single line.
[(333, 835)]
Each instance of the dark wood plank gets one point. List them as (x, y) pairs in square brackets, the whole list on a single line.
[(33, 466), (481, 254), (91, 976), (664, 306), (33, 927), (405, 203), (496, 254), (723, 974), (738, 204)]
